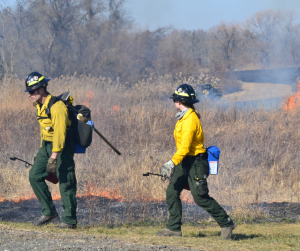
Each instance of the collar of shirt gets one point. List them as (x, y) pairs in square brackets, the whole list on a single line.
[(44, 106)]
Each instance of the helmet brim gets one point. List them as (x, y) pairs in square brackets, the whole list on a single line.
[(192, 101), (189, 101)]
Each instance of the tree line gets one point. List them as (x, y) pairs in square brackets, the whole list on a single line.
[(99, 38)]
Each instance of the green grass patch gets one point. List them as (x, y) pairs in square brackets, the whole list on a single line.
[(267, 236)]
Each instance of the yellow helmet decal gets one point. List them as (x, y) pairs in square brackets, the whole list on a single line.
[(181, 94), (70, 100), (35, 82)]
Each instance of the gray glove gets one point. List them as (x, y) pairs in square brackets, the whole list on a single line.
[(167, 168), (51, 166)]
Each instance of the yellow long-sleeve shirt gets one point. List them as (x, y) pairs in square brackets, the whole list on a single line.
[(54, 130), (188, 136)]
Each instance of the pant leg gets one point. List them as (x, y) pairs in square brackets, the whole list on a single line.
[(37, 175), (177, 183), (200, 191), (68, 187), (67, 182)]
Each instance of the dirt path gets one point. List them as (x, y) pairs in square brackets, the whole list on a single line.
[(13, 239)]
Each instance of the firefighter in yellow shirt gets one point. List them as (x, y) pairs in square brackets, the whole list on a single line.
[(189, 165), (55, 155)]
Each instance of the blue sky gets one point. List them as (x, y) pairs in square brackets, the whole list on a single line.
[(199, 14)]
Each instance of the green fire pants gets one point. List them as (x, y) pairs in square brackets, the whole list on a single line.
[(65, 171), (187, 172)]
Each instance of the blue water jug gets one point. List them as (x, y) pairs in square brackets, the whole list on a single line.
[(213, 159)]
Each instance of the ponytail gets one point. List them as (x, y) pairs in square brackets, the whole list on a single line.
[(190, 105)]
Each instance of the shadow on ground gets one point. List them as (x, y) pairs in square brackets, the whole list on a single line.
[(239, 237)]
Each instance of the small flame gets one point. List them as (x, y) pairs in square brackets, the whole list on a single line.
[(187, 197), (23, 197), (293, 101), (94, 191), (89, 96), (116, 108), (90, 190)]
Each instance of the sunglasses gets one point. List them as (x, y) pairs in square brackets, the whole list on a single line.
[(32, 92)]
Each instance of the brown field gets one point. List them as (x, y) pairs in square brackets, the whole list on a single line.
[(259, 148)]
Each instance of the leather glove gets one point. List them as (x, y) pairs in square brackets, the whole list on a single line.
[(167, 168), (51, 166)]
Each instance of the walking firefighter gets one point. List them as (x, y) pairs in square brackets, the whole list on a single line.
[(55, 155), (65, 129), (189, 166)]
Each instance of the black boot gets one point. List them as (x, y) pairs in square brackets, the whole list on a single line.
[(64, 225), (44, 220)]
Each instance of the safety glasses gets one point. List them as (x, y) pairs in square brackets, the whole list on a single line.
[(32, 92)]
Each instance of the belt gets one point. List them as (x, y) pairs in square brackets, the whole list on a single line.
[(199, 155)]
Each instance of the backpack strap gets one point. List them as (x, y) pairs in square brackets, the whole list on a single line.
[(52, 101)]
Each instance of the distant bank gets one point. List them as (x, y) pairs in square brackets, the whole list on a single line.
[(286, 76)]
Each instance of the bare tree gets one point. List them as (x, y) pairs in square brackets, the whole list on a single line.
[(227, 42), (262, 28), (95, 37), (16, 20), (295, 44), (199, 46), (92, 8), (51, 23), (285, 35), (117, 15), (3, 36)]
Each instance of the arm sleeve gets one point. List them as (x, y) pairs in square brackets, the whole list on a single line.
[(59, 118), (183, 148)]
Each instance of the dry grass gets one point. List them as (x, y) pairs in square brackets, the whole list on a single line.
[(259, 148)]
